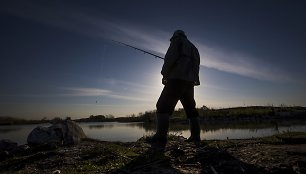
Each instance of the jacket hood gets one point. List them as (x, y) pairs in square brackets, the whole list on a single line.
[(178, 34)]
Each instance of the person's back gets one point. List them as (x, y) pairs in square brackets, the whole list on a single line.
[(182, 60)]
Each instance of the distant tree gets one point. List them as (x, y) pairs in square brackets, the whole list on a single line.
[(56, 120), (110, 116), (205, 108), (68, 118), (140, 114), (101, 117)]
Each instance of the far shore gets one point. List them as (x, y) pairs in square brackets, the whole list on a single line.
[(207, 115)]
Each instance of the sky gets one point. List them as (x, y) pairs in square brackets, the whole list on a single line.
[(58, 58)]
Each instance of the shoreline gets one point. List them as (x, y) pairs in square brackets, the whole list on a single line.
[(249, 113), (274, 154)]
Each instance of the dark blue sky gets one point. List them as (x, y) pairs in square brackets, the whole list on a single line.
[(57, 58)]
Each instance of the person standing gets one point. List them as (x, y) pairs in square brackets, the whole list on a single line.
[(180, 73)]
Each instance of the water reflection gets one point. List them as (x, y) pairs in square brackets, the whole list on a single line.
[(241, 130), (124, 132), (112, 124), (8, 129), (18, 133)]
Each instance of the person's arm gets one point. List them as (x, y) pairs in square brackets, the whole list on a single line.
[(171, 57), (196, 67)]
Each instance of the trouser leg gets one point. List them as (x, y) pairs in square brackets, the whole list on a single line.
[(195, 130), (162, 127), (172, 92), (189, 104), (165, 107), (169, 98)]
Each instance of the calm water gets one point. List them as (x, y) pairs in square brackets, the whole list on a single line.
[(126, 132)]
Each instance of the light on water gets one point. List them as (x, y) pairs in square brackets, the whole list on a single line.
[(18, 133), (128, 132), (112, 131)]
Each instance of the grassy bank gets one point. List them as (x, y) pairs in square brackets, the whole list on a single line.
[(283, 153)]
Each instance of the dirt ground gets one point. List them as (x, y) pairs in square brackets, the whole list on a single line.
[(265, 155)]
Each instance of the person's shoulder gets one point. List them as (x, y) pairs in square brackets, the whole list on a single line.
[(189, 42)]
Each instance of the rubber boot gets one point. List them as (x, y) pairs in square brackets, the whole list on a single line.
[(195, 130), (162, 126)]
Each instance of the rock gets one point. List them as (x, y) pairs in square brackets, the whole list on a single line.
[(7, 148), (23, 148), (44, 135), (8, 145), (4, 155), (72, 132), (62, 133)]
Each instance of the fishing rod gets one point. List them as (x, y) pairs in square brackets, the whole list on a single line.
[(146, 52)]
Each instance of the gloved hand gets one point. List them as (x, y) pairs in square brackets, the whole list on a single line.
[(164, 81)]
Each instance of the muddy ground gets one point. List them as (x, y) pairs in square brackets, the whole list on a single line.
[(284, 153)]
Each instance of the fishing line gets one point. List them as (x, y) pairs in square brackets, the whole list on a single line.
[(138, 49)]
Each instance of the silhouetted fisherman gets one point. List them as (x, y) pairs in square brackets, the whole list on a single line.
[(180, 74)]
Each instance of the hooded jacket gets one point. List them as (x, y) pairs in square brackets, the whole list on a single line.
[(182, 61)]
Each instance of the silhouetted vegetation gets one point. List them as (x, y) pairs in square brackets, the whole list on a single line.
[(13, 121), (250, 113), (141, 117), (254, 113), (97, 118)]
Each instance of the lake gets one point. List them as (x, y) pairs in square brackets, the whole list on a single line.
[(128, 132)]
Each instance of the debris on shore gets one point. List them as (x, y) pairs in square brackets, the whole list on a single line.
[(285, 153)]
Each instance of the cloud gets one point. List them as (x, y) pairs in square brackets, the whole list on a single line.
[(85, 92), (88, 92), (217, 58), (96, 92), (150, 39), (87, 22), (143, 88), (139, 91), (59, 14), (241, 64), (122, 97)]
